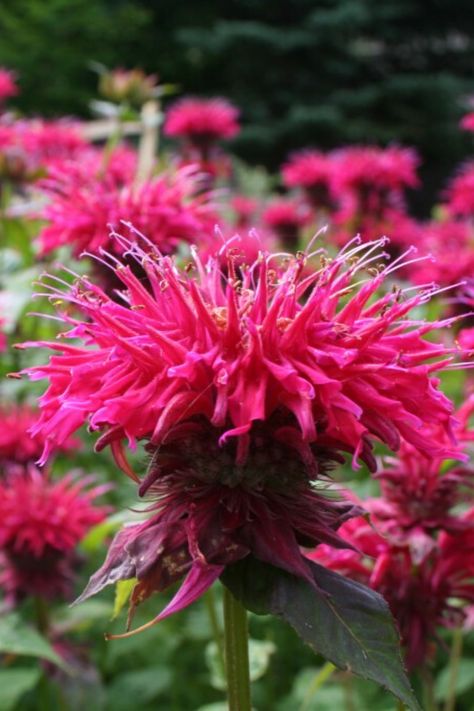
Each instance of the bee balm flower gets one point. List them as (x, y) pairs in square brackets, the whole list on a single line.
[(41, 523), (246, 390)]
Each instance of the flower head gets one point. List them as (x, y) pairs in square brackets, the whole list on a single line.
[(8, 85), (128, 85), (168, 208), (202, 121), (313, 172), (460, 192), (467, 122), (245, 209), (370, 168), (41, 523), (246, 390), (18, 448), (420, 494), (286, 217), (29, 148)]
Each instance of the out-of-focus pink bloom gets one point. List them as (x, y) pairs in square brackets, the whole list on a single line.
[(202, 121), (19, 448), (286, 217), (467, 122), (41, 523), (370, 182), (460, 193), (245, 209), (8, 87), (313, 172), (245, 389), (450, 246), (422, 595), (30, 147), (169, 209), (419, 498), (370, 169), (401, 229)]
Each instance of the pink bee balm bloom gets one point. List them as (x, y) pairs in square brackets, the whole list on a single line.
[(467, 122), (202, 121), (419, 498), (8, 85), (41, 523), (460, 193), (18, 448), (452, 256), (422, 595), (245, 389), (313, 172), (286, 217), (365, 168), (245, 209), (169, 209)]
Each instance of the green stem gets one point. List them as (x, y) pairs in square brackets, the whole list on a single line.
[(318, 680), (42, 614), (215, 626), (236, 653), (455, 658), (428, 691), (401, 706)]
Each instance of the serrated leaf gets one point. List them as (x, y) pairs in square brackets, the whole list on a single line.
[(345, 622), (14, 683), (20, 639), (123, 590)]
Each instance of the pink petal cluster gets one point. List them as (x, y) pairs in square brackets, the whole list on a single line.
[(168, 208), (460, 193), (285, 217), (202, 120), (8, 87), (314, 172), (370, 168), (19, 448), (35, 145), (41, 523), (245, 209), (467, 122), (236, 351), (450, 244)]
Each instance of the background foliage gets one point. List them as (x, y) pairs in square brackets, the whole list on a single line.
[(341, 70)]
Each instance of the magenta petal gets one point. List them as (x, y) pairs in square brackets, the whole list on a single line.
[(198, 580)]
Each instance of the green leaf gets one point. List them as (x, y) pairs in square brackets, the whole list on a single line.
[(260, 653), (123, 590), (464, 679), (18, 638), (345, 622), (132, 690), (14, 683)]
